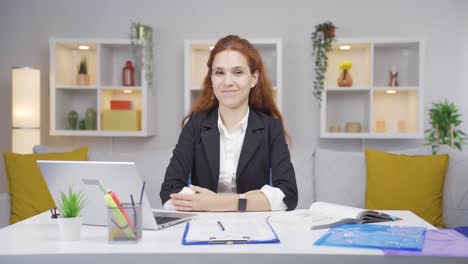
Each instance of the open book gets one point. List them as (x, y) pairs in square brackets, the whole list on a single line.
[(324, 215)]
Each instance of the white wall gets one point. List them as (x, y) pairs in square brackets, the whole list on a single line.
[(26, 26)]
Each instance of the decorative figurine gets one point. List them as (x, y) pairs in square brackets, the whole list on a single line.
[(90, 119), (393, 74), (72, 118), (81, 125)]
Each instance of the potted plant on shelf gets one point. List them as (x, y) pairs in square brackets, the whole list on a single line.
[(322, 39), (82, 78), (444, 120), (70, 220)]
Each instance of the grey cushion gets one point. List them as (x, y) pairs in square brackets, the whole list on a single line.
[(340, 177)]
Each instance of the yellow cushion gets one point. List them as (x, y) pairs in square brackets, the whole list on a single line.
[(29, 194), (401, 182)]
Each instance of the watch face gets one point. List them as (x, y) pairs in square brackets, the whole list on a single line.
[(242, 206)]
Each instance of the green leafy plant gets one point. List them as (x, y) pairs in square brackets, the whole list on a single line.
[(71, 204), (83, 67), (322, 39), (444, 120)]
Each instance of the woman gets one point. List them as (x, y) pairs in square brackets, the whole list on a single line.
[(233, 141)]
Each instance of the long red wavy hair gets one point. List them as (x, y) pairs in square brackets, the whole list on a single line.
[(261, 97)]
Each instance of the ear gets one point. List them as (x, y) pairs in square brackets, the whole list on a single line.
[(254, 79)]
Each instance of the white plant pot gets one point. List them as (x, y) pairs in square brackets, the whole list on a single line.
[(70, 228)]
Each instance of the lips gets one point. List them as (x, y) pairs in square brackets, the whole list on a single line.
[(229, 92)]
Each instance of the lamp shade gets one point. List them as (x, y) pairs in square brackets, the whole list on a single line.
[(26, 112)]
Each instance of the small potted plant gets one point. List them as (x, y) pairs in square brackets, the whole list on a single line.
[(82, 78), (444, 120), (322, 39), (70, 220)]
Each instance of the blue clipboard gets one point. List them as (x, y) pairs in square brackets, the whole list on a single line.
[(229, 241)]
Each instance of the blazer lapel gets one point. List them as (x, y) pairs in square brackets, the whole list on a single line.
[(210, 140), (252, 140)]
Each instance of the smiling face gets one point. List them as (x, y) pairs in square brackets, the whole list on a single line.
[(232, 80)]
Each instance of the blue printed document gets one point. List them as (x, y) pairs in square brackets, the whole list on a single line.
[(374, 236)]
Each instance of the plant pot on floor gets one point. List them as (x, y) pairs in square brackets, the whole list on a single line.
[(70, 228)]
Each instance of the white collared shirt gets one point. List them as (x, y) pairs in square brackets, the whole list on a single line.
[(230, 147)]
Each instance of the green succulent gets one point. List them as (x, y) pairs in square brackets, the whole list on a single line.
[(444, 117), (322, 39), (71, 204), (83, 67)]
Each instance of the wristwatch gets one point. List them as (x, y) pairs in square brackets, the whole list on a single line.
[(242, 205)]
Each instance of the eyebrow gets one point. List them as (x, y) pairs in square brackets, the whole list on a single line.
[(234, 68)]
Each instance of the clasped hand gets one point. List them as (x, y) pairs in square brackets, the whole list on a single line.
[(202, 200)]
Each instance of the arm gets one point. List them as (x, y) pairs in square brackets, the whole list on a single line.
[(206, 200), (283, 173), (180, 166)]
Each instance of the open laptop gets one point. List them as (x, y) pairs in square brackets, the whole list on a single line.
[(120, 177)]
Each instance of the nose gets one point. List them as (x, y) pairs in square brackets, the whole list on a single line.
[(228, 79)]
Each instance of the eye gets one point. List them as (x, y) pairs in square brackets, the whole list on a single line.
[(238, 72), (218, 73)]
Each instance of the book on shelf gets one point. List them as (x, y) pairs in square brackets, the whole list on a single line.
[(325, 215)]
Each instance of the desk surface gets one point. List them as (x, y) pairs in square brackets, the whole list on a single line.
[(36, 240)]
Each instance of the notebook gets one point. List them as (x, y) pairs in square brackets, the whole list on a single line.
[(120, 177)]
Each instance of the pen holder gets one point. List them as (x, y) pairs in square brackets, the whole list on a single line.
[(124, 223)]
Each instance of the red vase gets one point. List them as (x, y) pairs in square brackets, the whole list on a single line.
[(128, 74)]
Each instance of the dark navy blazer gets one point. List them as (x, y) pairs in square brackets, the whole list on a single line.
[(264, 147)]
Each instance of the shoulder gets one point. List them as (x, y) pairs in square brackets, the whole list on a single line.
[(197, 119), (267, 120)]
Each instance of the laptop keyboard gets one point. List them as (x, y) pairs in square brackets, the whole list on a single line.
[(165, 219)]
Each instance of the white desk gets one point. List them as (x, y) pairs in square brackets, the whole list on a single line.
[(36, 240)]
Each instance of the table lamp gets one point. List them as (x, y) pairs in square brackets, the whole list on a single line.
[(26, 109)]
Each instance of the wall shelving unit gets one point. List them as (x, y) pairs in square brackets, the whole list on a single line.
[(382, 111), (105, 60)]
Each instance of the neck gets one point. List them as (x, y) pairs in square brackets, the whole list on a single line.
[(231, 117)]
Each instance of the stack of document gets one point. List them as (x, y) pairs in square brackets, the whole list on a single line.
[(229, 231)]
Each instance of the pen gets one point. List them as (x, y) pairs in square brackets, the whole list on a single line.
[(142, 191), (271, 178), (221, 226)]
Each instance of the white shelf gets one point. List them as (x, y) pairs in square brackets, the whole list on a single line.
[(196, 55), (88, 133), (106, 58), (370, 135), (348, 89), (382, 113)]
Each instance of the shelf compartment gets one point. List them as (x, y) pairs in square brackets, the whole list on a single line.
[(199, 54), (67, 61), (359, 54), (113, 58), (122, 119), (269, 57), (403, 56), (73, 99), (395, 113), (347, 107)]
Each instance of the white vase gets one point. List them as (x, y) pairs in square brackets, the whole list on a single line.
[(70, 228)]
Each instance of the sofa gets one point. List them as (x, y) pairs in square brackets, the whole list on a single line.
[(322, 175)]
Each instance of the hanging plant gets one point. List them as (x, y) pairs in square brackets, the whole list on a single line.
[(322, 39), (444, 120), (142, 36)]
